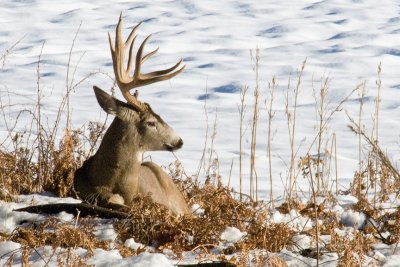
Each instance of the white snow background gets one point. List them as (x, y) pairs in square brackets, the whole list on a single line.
[(343, 40)]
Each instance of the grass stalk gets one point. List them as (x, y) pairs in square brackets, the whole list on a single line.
[(327, 119), (9, 50), (360, 161), (203, 154), (356, 128), (336, 165), (69, 83), (315, 206), (242, 112), (230, 174), (376, 126), (321, 111), (40, 174), (254, 191), (272, 86), (333, 154), (212, 141), (291, 123)]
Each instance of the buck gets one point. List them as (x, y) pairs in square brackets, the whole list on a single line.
[(116, 174)]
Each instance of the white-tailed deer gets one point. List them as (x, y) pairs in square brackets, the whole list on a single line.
[(116, 173)]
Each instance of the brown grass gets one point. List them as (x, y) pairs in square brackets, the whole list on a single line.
[(52, 232), (58, 234), (151, 224), (351, 250), (48, 164), (19, 172)]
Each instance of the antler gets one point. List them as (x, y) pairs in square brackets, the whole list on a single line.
[(124, 80)]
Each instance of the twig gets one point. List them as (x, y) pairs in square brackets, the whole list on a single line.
[(9, 51)]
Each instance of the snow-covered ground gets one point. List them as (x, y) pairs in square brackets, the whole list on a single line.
[(386, 255), (342, 40)]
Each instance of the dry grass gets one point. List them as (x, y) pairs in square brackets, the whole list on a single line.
[(15, 174), (52, 232), (351, 250), (151, 224), (44, 163), (19, 172), (57, 234)]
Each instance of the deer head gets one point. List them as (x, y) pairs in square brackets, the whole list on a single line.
[(154, 133)]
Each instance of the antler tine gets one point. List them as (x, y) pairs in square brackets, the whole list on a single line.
[(138, 64), (155, 76), (130, 42), (146, 57), (121, 46), (124, 80), (160, 78), (165, 72), (132, 34), (130, 61)]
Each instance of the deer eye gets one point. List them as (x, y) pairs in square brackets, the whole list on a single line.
[(151, 124)]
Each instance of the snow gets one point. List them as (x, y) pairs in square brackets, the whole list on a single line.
[(105, 232), (232, 235), (113, 258), (103, 257), (392, 261), (8, 247), (11, 219), (197, 210), (342, 40), (148, 259), (302, 241), (293, 219), (130, 243), (347, 200), (352, 218), (43, 198)]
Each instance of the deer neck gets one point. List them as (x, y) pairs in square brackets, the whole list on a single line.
[(119, 147)]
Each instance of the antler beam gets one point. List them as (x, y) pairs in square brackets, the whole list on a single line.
[(125, 81)]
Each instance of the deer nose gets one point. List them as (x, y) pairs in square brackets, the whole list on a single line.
[(179, 144)]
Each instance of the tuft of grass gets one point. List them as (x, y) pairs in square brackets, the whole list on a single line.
[(151, 224), (52, 232), (352, 250), (64, 238), (19, 172)]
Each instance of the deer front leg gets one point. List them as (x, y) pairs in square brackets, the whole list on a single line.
[(103, 196)]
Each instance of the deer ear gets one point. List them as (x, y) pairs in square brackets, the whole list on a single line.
[(106, 102), (113, 106)]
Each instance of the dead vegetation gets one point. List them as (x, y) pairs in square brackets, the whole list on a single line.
[(64, 238), (57, 234), (41, 163), (151, 225), (190, 232), (19, 172)]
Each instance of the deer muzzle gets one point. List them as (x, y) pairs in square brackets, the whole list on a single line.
[(174, 146)]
